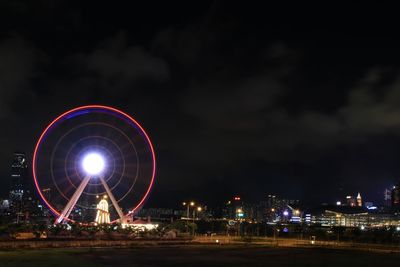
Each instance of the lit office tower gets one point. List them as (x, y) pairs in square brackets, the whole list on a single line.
[(351, 201), (396, 197), (359, 200), (387, 196), (19, 171)]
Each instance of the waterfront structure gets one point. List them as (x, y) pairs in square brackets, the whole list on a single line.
[(346, 216)]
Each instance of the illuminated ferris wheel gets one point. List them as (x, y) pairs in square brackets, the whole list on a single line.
[(93, 152)]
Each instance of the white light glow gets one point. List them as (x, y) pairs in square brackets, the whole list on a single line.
[(93, 163)]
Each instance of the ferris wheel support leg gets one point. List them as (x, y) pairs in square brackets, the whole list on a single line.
[(72, 202), (112, 198)]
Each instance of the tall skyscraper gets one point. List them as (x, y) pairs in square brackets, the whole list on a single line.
[(19, 172), (359, 200), (387, 197), (396, 197)]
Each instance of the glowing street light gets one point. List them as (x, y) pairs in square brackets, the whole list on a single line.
[(188, 204)]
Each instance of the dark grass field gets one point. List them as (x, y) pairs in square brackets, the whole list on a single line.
[(195, 256)]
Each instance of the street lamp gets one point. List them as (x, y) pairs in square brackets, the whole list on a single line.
[(199, 209), (188, 204)]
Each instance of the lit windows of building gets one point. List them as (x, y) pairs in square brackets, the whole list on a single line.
[(19, 171), (396, 197), (359, 200)]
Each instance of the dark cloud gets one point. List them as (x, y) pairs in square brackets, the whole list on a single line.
[(18, 66), (116, 62)]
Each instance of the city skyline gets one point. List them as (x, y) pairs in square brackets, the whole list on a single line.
[(21, 186), (236, 100)]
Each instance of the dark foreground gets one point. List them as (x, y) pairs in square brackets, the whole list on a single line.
[(195, 256)]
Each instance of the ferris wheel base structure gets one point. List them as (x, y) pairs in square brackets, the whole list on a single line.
[(74, 199)]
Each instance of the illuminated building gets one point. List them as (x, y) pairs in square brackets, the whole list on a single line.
[(19, 173), (359, 200), (351, 201), (103, 215), (396, 197), (234, 209), (280, 209), (140, 225), (346, 216), (4, 207), (239, 213), (369, 205), (387, 196)]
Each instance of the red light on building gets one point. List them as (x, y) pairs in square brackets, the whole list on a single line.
[(237, 198)]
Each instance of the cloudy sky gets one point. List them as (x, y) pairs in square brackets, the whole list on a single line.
[(238, 100)]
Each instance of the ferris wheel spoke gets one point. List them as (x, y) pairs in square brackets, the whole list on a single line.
[(112, 198), (74, 199)]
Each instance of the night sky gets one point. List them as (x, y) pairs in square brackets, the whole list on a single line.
[(238, 99)]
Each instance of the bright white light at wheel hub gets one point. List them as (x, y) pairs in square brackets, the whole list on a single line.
[(93, 163)]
